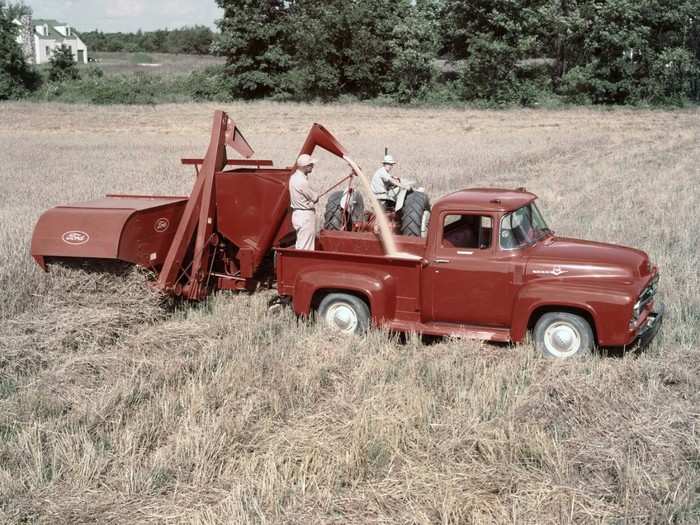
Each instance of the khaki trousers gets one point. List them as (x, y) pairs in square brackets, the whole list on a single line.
[(304, 222)]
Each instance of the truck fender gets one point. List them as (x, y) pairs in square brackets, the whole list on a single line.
[(522, 317), (380, 291), (539, 295)]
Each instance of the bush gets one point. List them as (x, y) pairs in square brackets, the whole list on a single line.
[(489, 72), (93, 71), (63, 66), (210, 84), (138, 89), (577, 85), (671, 76)]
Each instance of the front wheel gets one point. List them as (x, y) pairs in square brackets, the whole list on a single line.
[(415, 214), (344, 313), (563, 335)]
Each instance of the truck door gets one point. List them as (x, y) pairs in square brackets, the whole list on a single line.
[(466, 281)]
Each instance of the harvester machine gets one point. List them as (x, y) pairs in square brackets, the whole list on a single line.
[(220, 237)]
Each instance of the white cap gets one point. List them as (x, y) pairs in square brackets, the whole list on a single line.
[(305, 160), (388, 159)]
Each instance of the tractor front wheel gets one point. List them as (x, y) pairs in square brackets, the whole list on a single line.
[(415, 214)]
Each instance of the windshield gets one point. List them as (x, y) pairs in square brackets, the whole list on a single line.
[(522, 227)]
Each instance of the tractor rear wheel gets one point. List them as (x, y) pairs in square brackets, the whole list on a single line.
[(335, 217), (415, 214)]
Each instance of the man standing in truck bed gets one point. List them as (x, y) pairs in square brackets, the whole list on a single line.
[(303, 201)]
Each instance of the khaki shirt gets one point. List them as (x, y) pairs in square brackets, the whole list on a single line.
[(301, 196), (382, 182)]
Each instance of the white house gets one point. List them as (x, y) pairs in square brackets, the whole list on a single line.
[(39, 39)]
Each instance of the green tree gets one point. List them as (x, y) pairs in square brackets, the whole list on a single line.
[(196, 40), (316, 70), (672, 75), (63, 66), (618, 45), (17, 10), (16, 76), (255, 41), (369, 53), (605, 51), (492, 37), (415, 43), (351, 48)]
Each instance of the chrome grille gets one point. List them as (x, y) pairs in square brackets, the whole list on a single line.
[(649, 292)]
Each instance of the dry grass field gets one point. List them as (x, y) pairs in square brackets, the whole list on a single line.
[(115, 409)]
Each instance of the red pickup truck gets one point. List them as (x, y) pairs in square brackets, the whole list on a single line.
[(489, 268)]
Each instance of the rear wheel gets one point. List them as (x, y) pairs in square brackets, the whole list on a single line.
[(415, 214), (337, 218), (563, 335), (344, 313)]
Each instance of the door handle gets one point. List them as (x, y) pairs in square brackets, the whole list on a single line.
[(441, 261)]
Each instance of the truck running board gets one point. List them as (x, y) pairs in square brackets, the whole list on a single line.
[(485, 333)]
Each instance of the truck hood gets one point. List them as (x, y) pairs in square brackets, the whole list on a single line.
[(556, 256)]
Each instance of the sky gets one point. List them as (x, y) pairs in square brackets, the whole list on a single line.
[(127, 15)]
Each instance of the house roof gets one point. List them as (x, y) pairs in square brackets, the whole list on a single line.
[(53, 33)]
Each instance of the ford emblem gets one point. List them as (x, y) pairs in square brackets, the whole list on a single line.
[(75, 237)]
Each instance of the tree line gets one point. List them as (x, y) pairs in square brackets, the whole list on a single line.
[(502, 51), (486, 52), (195, 40)]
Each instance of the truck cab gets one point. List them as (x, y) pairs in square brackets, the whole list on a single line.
[(489, 268)]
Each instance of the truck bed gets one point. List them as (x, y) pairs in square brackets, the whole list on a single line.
[(356, 262), (366, 243)]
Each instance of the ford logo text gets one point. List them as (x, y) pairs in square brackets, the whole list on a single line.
[(75, 237)]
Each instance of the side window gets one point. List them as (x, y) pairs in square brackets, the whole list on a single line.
[(467, 231)]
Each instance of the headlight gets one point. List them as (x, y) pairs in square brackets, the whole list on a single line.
[(636, 310)]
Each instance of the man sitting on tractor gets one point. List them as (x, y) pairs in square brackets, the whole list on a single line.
[(384, 184)]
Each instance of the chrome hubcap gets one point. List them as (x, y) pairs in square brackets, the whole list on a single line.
[(562, 339), (342, 317)]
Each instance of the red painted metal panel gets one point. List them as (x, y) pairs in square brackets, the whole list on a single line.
[(380, 279), (321, 137), (196, 216), (367, 243), (230, 162), (252, 206), (116, 227)]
